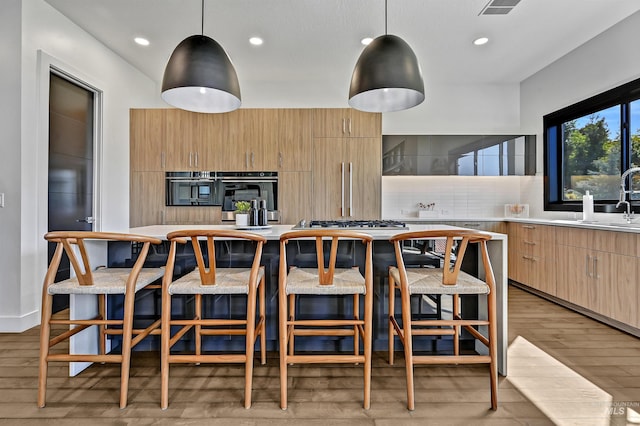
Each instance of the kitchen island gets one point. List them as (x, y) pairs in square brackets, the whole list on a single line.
[(497, 248)]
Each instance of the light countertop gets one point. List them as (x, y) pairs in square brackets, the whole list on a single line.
[(273, 233)]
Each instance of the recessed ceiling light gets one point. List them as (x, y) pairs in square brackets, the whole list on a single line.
[(256, 41), (366, 41), (141, 41), (480, 41)]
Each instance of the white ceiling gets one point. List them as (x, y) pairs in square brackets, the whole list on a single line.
[(317, 42)]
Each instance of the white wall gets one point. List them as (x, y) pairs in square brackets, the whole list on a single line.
[(460, 109), (36, 27), (10, 82), (602, 63)]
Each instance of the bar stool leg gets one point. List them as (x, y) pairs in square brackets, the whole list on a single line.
[(263, 332), (392, 313), (127, 332), (45, 335)]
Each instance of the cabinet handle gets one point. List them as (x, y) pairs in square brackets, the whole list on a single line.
[(528, 257), (472, 225), (342, 189), (587, 271), (595, 267), (190, 155), (196, 155), (350, 189), (344, 126), (531, 243), (246, 160), (280, 159), (349, 126), (528, 227), (162, 217), (162, 160), (252, 158)]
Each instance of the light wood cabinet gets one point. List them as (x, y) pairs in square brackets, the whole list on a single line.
[(500, 227), (193, 215), (147, 140), (293, 140), (147, 204), (211, 133), (295, 197), (532, 256), (598, 270), (346, 178), (347, 164), (593, 269), (251, 143), (346, 122), (181, 147)]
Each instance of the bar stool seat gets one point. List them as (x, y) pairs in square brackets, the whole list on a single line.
[(100, 282), (448, 280), (208, 279), (327, 281)]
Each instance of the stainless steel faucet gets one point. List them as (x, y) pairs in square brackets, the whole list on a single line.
[(628, 215)]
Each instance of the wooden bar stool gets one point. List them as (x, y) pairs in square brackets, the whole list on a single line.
[(321, 281), (207, 279), (100, 282), (448, 280)]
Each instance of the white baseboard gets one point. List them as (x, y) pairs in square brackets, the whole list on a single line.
[(19, 324)]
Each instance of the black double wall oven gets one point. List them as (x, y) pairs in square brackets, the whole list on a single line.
[(224, 189)]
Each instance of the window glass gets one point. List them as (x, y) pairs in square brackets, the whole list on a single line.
[(591, 155), (634, 137)]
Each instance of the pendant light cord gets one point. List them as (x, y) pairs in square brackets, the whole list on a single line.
[(202, 24), (385, 17)]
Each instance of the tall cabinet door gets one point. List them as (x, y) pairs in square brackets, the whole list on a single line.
[(294, 139), (147, 139), (329, 171), (294, 196), (147, 205), (363, 159), (179, 132)]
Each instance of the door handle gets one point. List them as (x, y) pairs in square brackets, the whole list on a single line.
[(588, 260), (88, 219), (350, 189), (342, 189)]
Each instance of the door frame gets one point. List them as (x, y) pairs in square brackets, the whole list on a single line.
[(46, 65)]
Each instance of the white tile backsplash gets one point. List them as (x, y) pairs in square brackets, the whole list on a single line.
[(454, 196)]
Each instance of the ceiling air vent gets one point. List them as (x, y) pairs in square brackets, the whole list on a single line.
[(499, 7)]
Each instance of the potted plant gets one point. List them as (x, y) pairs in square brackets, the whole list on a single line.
[(242, 213)]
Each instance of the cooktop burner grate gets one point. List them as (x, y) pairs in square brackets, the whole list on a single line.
[(352, 224)]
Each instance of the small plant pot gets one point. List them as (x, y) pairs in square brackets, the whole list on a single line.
[(242, 219)]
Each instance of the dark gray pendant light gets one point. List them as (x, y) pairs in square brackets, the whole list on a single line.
[(387, 76), (200, 76)]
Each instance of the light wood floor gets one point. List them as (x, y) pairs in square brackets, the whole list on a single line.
[(563, 369)]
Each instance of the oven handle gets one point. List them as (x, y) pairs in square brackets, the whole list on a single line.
[(189, 180)]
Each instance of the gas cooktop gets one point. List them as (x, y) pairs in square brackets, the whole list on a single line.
[(351, 224)]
